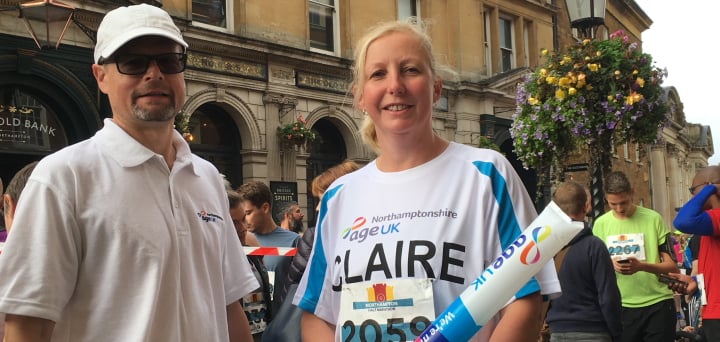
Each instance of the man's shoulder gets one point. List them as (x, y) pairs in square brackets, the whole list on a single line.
[(70, 159), (284, 232), (647, 212)]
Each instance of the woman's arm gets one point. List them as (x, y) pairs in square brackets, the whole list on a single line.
[(315, 329), (519, 320)]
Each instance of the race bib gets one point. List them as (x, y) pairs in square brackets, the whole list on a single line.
[(625, 245), (389, 310), (256, 312)]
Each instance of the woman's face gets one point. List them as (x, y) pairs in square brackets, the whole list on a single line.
[(399, 87)]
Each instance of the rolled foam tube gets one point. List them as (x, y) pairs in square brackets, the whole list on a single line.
[(490, 291)]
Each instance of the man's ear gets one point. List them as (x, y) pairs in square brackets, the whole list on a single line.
[(100, 75), (265, 207), (9, 206)]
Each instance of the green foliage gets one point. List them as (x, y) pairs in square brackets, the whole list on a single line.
[(296, 132), (487, 142)]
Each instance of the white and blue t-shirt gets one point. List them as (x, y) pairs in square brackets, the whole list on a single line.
[(447, 220)]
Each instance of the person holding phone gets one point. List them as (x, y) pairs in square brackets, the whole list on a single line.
[(638, 242)]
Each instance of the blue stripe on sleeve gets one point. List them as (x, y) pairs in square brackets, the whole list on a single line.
[(317, 267), (508, 227), (692, 218)]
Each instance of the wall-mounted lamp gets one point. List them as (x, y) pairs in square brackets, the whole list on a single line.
[(47, 21)]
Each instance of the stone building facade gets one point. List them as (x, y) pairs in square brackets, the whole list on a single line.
[(255, 65)]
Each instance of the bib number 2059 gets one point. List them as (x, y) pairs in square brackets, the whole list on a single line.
[(395, 329)]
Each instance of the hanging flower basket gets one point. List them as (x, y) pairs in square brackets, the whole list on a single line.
[(296, 133), (598, 94)]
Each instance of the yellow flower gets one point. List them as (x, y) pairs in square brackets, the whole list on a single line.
[(550, 80), (598, 53), (640, 81), (560, 94), (580, 80), (593, 67), (564, 82), (617, 73), (586, 41), (587, 58), (572, 91), (544, 52), (635, 72), (633, 98), (543, 72), (532, 101), (610, 97)]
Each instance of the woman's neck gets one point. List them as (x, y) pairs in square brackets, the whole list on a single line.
[(399, 157)]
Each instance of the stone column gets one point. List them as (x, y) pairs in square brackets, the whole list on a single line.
[(276, 107), (674, 183), (658, 178)]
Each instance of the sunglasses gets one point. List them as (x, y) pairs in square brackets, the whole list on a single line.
[(692, 188), (130, 64)]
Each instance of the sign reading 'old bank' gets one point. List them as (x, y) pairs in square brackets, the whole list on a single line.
[(25, 125)]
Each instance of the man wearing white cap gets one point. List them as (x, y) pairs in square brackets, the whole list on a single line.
[(127, 236)]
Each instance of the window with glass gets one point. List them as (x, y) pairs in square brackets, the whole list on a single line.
[(322, 24), (506, 45), (408, 8), (211, 12)]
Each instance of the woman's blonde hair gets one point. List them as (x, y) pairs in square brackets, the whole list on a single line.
[(411, 26)]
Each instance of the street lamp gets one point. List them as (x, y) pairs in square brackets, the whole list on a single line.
[(586, 15), (47, 21)]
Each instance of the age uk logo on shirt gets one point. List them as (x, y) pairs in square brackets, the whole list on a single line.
[(359, 232)]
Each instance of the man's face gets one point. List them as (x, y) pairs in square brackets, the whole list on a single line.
[(146, 99), (238, 217), (297, 215), (621, 204), (254, 216)]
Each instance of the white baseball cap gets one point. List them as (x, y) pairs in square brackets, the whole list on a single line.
[(124, 24)]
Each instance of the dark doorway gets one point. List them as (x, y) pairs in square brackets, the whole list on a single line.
[(216, 140), (325, 152), (528, 176)]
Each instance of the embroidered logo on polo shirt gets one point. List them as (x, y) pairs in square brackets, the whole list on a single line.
[(208, 217)]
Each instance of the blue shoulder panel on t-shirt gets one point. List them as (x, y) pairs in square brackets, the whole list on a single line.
[(317, 267), (508, 226), (507, 221)]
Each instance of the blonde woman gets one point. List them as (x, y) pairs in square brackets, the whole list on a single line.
[(419, 223)]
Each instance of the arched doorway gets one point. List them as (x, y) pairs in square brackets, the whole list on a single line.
[(327, 151), (29, 129), (215, 139)]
